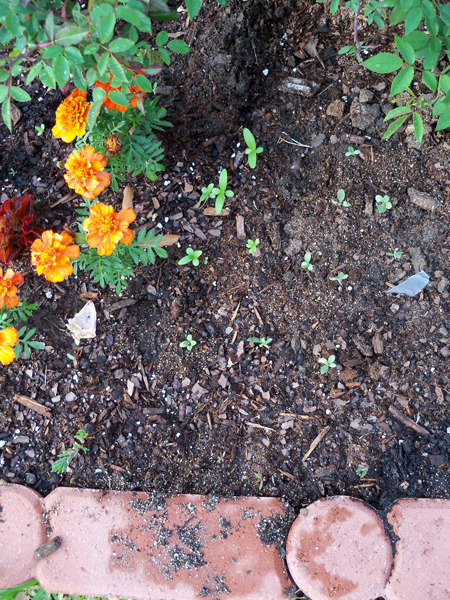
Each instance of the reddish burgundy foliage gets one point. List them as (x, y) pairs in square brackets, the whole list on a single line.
[(16, 230)]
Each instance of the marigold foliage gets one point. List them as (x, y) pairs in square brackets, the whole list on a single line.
[(8, 337), (51, 255), (105, 228), (8, 289), (85, 172), (71, 117)]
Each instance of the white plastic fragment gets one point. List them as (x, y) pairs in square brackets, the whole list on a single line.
[(411, 286)]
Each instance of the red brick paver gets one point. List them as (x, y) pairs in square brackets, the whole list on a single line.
[(22, 530), (337, 548), (422, 562), (136, 545), (129, 544)]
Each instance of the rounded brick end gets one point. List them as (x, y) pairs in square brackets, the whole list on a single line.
[(22, 531), (337, 548)]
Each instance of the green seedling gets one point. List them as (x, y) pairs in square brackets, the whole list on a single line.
[(362, 470), (206, 192), (327, 363), (12, 172), (261, 480), (188, 343), (26, 342), (191, 256), (340, 277), (352, 152), (40, 129), (221, 192), (396, 254), (206, 260), (66, 457), (306, 264), (262, 342), (341, 201), (383, 203), (252, 245), (252, 151)]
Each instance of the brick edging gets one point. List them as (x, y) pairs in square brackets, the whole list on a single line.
[(138, 545)]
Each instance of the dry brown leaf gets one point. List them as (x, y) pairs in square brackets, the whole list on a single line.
[(210, 211), (29, 403), (439, 394), (85, 296), (187, 187), (168, 240), (128, 195), (377, 343)]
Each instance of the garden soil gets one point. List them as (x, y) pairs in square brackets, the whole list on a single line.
[(230, 418)]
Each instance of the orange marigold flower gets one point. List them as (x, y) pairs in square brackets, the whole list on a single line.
[(86, 175), (71, 116), (51, 255), (106, 228), (8, 288), (8, 337), (134, 89)]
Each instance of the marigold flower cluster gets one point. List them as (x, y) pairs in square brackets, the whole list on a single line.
[(85, 172), (51, 255), (8, 289), (9, 338), (71, 116), (133, 88), (105, 228)]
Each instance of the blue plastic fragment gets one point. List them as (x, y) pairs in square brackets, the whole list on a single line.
[(411, 286)]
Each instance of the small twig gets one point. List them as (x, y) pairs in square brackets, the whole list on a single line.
[(259, 426), (407, 422), (254, 51), (293, 142), (316, 442)]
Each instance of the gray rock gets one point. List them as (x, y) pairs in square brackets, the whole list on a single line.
[(336, 109), (422, 200), (70, 397), (298, 86), (442, 285), (30, 478), (365, 96), (418, 259), (363, 115), (21, 439), (318, 140)]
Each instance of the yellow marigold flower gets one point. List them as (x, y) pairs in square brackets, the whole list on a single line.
[(8, 337), (51, 255), (8, 288), (85, 172), (106, 228), (71, 116)]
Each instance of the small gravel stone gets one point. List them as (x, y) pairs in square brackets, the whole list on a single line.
[(21, 439), (70, 397), (30, 478)]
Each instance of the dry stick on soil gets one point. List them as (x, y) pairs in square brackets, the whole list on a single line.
[(29, 403), (259, 426), (316, 442), (407, 422)]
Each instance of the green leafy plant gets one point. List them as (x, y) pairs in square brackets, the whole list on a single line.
[(252, 151), (206, 192), (252, 245), (352, 152), (341, 201), (425, 41), (221, 192), (86, 41), (261, 480), (66, 457), (34, 591), (26, 342), (188, 343), (340, 277), (306, 264), (21, 312), (362, 470), (396, 254), (191, 256), (327, 363), (262, 342), (383, 203), (40, 129)]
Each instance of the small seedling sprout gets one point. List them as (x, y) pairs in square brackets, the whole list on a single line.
[(341, 201), (383, 203), (327, 363), (262, 342), (206, 192), (362, 470), (306, 264), (352, 152), (40, 129), (252, 245), (252, 151), (188, 343), (340, 277), (396, 254), (221, 192), (191, 256), (66, 457)]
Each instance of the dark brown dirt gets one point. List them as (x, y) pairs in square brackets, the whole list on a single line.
[(229, 418)]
